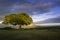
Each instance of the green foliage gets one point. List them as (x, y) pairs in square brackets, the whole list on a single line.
[(20, 19), (7, 28)]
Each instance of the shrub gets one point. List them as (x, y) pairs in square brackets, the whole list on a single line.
[(7, 28)]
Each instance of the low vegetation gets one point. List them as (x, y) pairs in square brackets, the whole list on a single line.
[(30, 34)]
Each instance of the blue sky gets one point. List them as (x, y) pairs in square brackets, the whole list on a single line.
[(39, 10)]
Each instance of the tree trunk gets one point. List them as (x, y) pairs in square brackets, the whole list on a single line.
[(20, 26)]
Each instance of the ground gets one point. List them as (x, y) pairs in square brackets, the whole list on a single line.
[(32, 34)]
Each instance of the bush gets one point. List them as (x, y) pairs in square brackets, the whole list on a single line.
[(7, 28)]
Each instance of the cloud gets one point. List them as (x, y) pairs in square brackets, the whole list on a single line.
[(43, 7), (45, 16), (28, 6)]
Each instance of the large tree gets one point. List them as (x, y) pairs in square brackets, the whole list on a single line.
[(18, 19)]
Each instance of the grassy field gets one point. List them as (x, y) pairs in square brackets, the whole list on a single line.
[(33, 34)]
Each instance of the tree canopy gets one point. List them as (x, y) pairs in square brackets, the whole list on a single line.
[(20, 19)]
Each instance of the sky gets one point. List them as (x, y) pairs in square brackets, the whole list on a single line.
[(39, 10)]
